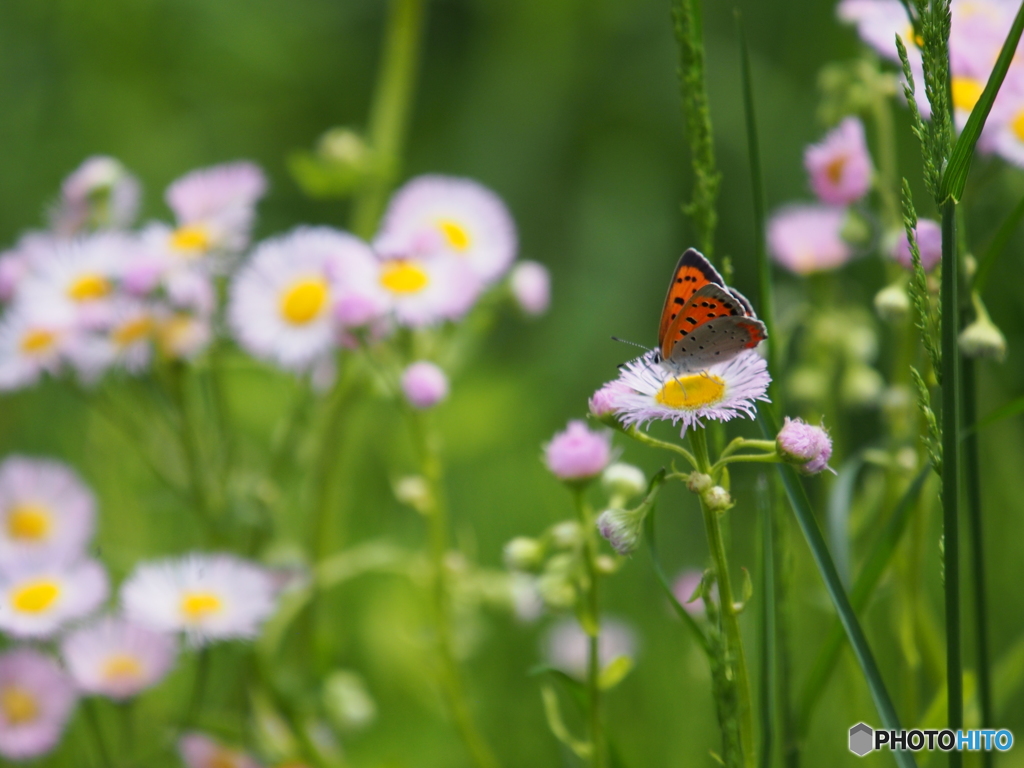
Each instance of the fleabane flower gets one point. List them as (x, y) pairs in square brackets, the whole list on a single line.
[(444, 216), (566, 645), (530, 282), (1005, 126), (32, 342), (36, 700), (113, 657), (207, 596), (578, 453), (214, 208), (200, 751), (840, 166), (427, 291), (47, 514), (39, 600), (424, 384), (805, 445), (281, 306), (654, 391), (99, 194), (808, 238)]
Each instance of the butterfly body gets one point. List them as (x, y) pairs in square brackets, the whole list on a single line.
[(703, 321)]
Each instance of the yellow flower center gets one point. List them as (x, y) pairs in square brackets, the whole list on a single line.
[(193, 238), (174, 332), (28, 522), (122, 667), (966, 92), (912, 38), (1017, 125), (834, 169), (89, 287), (36, 596), (456, 235), (196, 606), (404, 277), (18, 705), (304, 300), (224, 758), (37, 341), (687, 393), (132, 331)]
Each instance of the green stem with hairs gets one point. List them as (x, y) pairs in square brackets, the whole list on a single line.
[(592, 626), (643, 437), (389, 113), (730, 616), (436, 512)]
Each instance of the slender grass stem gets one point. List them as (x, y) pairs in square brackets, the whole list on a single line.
[(951, 472), (730, 615), (92, 717), (643, 437), (592, 627), (390, 109), (972, 478), (437, 520), (199, 682), (768, 634)]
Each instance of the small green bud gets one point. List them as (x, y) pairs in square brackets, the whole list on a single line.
[(523, 554), (566, 534), (347, 701), (892, 303), (982, 338), (717, 499), (698, 482), (623, 480)]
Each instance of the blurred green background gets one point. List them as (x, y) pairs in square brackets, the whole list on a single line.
[(570, 110)]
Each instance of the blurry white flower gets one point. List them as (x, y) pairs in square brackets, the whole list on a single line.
[(566, 646), (36, 699), (531, 287), (100, 193), (38, 601)]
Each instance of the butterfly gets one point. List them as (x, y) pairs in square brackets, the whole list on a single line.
[(704, 321)]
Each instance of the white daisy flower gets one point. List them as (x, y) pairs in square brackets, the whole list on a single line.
[(207, 596), (182, 335), (100, 193), (80, 278), (427, 291), (215, 208), (38, 601), (36, 700), (127, 342), (282, 300), (652, 391), (115, 658), (47, 514), (447, 216), (32, 342)]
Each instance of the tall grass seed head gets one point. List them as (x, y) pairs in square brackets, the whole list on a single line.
[(578, 453), (36, 700)]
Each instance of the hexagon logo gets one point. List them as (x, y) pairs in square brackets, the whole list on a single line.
[(862, 739)]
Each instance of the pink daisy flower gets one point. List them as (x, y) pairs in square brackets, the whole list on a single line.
[(578, 453), (36, 700), (840, 166), (808, 238), (100, 193), (39, 601), (200, 751)]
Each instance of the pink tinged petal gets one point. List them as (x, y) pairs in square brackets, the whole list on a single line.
[(840, 167), (807, 238), (578, 453), (424, 384)]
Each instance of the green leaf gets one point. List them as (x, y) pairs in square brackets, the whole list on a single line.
[(955, 176), (823, 560), (997, 246), (840, 499), (615, 672), (553, 713), (867, 580)]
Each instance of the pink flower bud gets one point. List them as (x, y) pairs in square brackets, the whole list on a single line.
[(424, 384), (354, 309), (602, 402), (531, 287), (929, 243), (804, 445), (578, 453)]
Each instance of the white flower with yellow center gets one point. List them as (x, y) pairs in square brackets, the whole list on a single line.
[(113, 657), (1004, 132), (79, 278), (282, 300), (47, 514), (36, 699), (214, 208), (425, 291), (38, 601), (436, 216), (32, 342), (648, 391), (207, 596)]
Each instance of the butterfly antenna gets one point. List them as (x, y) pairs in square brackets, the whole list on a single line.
[(627, 341)]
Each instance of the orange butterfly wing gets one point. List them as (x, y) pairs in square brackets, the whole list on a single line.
[(708, 303), (692, 273)]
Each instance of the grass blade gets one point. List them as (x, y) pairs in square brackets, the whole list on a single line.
[(839, 501), (823, 560), (768, 614), (860, 596), (1012, 408), (955, 176), (997, 246)]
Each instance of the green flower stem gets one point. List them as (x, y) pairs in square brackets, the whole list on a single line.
[(390, 110), (643, 437), (92, 718), (754, 458), (436, 513), (730, 616), (592, 626), (951, 472), (195, 701)]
